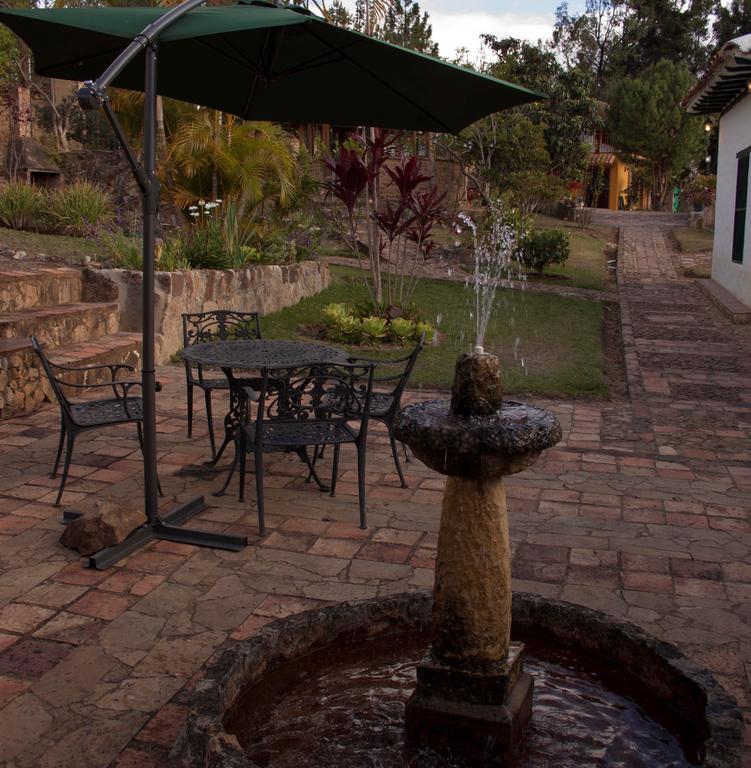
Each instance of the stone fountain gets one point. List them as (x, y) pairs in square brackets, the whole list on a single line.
[(472, 693), (472, 698)]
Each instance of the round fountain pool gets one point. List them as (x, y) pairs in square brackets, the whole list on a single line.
[(328, 688)]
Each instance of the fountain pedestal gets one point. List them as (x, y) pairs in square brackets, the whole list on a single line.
[(472, 694)]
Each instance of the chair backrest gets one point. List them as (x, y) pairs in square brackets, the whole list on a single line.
[(56, 383), (304, 393), (398, 380), (220, 325)]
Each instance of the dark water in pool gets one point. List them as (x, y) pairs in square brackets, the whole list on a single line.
[(343, 707)]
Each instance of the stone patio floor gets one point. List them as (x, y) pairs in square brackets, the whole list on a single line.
[(642, 512)]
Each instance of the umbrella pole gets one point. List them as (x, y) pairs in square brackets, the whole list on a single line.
[(167, 528), (150, 213)]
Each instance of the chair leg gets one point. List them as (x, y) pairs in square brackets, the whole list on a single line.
[(242, 452), (395, 453), (259, 493), (361, 483), (335, 471), (232, 468), (59, 450), (70, 439), (190, 410), (406, 454), (302, 452), (210, 420)]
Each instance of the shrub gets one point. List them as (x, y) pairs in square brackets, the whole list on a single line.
[(123, 250), (74, 208), (359, 326), (204, 246), (22, 206), (542, 248)]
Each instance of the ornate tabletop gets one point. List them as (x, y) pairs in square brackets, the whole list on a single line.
[(261, 353)]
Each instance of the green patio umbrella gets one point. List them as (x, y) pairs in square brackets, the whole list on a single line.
[(263, 62), (255, 60)]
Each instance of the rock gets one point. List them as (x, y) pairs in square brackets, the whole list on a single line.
[(19, 255), (477, 389), (106, 523)]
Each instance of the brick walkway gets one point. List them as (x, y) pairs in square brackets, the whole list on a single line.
[(642, 512)]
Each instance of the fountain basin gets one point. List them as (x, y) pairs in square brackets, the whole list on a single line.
[(663, 674), (502, 443)]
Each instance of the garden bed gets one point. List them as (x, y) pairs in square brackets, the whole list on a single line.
[(549, 345)]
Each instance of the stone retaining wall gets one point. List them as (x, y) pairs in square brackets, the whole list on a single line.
[(262, 288), (22, 388)]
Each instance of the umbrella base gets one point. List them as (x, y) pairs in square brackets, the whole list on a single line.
[(166, 529)]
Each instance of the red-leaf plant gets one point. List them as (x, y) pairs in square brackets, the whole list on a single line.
[(354, 171), (427, 212), (412, 221)]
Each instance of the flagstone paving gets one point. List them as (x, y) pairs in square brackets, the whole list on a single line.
[(642, 511)]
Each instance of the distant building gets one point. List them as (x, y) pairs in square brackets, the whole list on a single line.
[(612, 183), (725, 91)]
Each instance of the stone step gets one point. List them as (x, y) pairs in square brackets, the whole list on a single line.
[(23, 386), (40, 286), (63, 324)]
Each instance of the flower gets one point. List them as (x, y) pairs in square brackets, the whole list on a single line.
[(194, 213), (201, 203)]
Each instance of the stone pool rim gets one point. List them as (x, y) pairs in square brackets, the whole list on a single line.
[(663, 669)]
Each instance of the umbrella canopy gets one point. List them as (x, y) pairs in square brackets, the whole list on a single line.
[(263, 62)]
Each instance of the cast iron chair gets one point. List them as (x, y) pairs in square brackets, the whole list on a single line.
[(289, 418), (75, 418), (386, 405), (205, 327)]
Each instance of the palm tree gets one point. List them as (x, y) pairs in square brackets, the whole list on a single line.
[(214, 155)]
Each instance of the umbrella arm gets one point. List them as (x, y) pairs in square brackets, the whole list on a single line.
[(138, 171)]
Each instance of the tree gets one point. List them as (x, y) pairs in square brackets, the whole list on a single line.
[(732, 21), (587, 41), (648, 124), (338, 15), (663, 29), (568, 116), (405, 25)]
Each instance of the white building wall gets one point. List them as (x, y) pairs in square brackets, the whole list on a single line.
[(735, 136)]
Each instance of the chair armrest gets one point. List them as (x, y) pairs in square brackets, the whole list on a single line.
[(112, 367), (377, 362)]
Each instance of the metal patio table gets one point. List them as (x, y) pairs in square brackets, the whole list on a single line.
[(254, 355)]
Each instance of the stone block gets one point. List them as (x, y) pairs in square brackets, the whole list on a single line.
[(106, 523)]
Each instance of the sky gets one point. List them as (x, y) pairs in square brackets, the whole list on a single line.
[(460, 24)]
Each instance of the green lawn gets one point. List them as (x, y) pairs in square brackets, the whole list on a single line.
[(587, 264), (549, 345), (693, 240), (73, 250)]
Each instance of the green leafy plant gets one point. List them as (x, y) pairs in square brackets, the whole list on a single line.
[(22, 206), (425, 328), (374, 328), (74, 208), (401, 329), (541, 248), (333, 312)]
